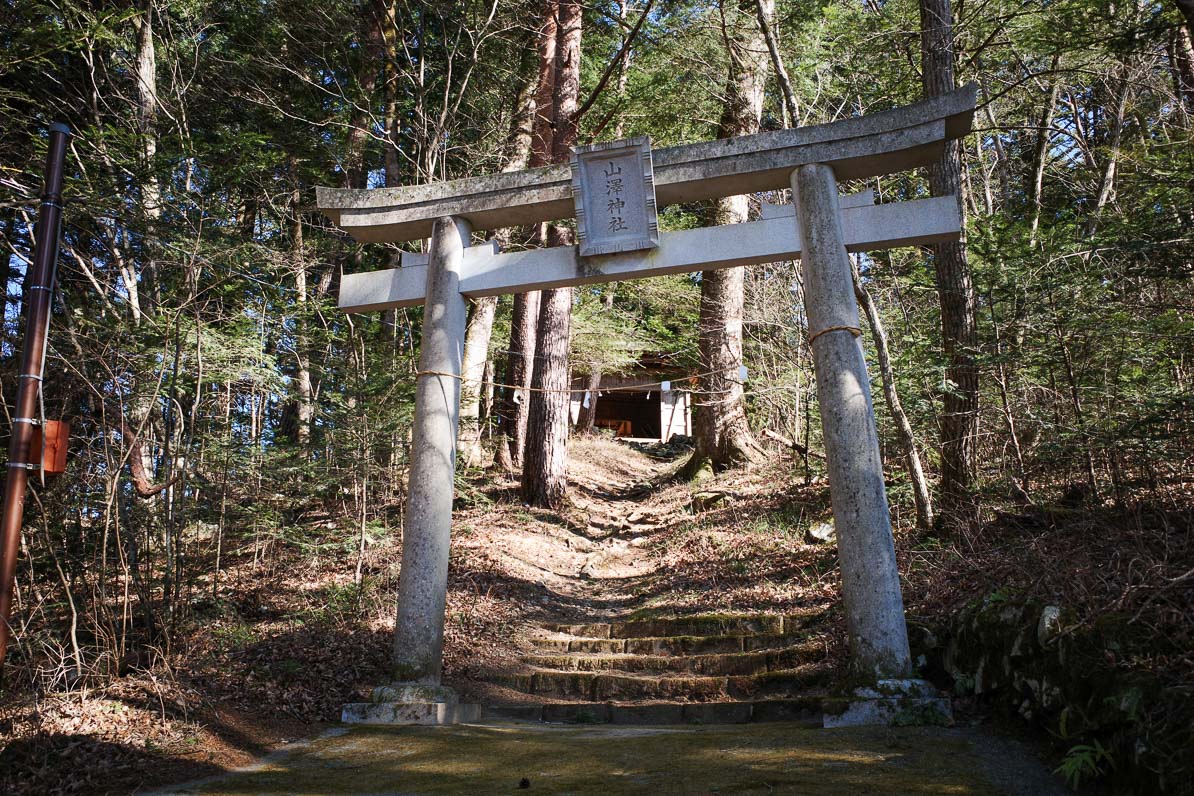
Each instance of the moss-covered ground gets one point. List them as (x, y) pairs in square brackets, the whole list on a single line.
[(744, 759)]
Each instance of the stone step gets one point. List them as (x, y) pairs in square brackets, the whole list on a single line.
[(804, 710), (737, 663), (781, 682), (667, 645), (603, 686), (699, 625), (419, 713)]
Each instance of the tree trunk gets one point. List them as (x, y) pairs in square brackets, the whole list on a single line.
[(141, 291), (1187, 9), (545, 461), (587, 418), (1067, 359), (1115, 122), (388, 24), (623, 71), (791, 107), (480, 327), (955, 291), (566, 87), (1001, 380), (476, 353), (524, 319), (920, 485), (544, 471), (722, 434), (1181, 59), (304, 411), (518, 139), (379, 38), (8, 245), (485, 414), (147, 96), (1040, 155), (525, 316)]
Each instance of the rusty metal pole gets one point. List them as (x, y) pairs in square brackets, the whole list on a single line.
[(38, 292)]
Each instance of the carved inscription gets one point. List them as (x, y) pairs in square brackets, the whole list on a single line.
[(614, 192)]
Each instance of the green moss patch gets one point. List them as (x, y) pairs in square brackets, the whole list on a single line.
[(625, 760)]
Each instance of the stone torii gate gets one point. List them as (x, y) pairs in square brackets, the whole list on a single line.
[(612, 190)]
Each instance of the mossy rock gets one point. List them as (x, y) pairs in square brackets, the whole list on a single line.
[(1070, 678)]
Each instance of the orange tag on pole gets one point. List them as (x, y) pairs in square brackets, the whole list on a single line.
[(49, 444)]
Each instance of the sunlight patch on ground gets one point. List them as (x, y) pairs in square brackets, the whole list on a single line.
[(625, 760)]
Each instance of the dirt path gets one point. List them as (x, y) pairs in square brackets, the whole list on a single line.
[(596, 555)]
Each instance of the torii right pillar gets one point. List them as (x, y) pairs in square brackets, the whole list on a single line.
[(879, 654)]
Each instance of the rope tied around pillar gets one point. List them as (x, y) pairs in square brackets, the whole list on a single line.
[(854, 330)]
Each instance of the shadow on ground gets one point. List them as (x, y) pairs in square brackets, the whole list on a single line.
[(533, 758), (85, 764)]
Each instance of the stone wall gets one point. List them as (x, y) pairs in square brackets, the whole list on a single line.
[(1074, 680)]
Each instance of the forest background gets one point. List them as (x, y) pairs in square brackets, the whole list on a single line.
[(221, 406)]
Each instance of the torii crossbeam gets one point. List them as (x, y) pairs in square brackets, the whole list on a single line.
[(614, 203)]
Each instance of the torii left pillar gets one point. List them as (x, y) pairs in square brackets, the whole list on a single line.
[(416, 696)]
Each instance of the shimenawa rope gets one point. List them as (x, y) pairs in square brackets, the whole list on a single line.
[(854, 330)]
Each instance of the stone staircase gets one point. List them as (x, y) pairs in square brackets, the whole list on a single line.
[(709, 669)]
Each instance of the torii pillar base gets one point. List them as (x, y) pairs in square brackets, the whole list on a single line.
[(890, 702), (406, 704)]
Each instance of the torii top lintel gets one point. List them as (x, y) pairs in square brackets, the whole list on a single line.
[(864, 146)]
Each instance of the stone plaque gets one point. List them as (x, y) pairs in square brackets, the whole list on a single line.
[(613, 186)]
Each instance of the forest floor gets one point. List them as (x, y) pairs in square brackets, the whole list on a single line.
[(291, 636)]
